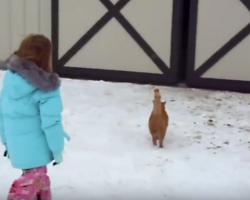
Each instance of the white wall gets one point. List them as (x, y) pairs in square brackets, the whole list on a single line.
[(19, 18)]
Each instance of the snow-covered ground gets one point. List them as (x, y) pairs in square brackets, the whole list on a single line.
[(110, 156)]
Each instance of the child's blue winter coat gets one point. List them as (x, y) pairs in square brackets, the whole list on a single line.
[(30, 114)]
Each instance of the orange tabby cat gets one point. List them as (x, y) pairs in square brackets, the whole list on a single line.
[(158, 121)]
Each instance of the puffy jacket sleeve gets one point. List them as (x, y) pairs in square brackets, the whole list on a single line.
[(2, 135), (50, 106)]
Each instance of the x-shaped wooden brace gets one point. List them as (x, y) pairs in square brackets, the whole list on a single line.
[(233, 42), (114, 11)]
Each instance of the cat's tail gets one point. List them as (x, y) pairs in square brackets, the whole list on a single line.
[(157, 102)]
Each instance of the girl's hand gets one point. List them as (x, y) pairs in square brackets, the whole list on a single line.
[(58, 158), (6, 154)]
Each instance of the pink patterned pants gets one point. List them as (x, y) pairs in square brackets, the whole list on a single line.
[(33, 184)]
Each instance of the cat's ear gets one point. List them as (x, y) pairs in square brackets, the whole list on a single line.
[(164, 102), (153, 101)]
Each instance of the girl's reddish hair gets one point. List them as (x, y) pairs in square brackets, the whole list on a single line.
[(38, 49)]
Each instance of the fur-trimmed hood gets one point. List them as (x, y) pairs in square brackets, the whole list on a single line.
[(35, 78), (40, 79)]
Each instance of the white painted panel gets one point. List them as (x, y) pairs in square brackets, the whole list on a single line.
[(114, 1), (76, 17), (153, 20), (235, 65), (5, 36), (17, 22), (18, 18), (112, 48), (45, 17), (218, 21), (31, 16)]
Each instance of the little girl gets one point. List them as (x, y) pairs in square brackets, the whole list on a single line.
[(30, 118)]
